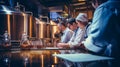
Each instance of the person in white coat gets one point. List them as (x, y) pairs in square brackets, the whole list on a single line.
[(78, 35)]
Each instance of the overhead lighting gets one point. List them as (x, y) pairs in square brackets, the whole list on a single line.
[(6, 10), (81, 0), (81, 8), (76, 4)]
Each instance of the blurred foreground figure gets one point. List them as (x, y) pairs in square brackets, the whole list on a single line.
[(104, 37)]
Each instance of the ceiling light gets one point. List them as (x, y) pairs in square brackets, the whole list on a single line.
[(81, 0)]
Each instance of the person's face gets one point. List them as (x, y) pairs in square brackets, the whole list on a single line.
[(75, 26), (79, 23), (69, 26), (72, 26), (61, 27)]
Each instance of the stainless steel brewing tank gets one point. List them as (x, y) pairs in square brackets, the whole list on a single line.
[(31, 26), (42, 29), (53, 29), (46, 30), (22, 23), (16, 23)]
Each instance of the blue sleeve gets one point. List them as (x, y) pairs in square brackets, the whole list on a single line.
[(96, 40)]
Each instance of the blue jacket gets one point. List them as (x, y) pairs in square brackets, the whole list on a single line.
[(104, 35)]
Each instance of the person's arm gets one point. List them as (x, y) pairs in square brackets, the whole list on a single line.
[(77, 39), (63, 45), (95, 41), (66, 36)]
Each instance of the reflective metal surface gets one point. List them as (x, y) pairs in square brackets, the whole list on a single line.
[(16, 23), (6, 10), (54, 28), (35, 58), (42, 29)]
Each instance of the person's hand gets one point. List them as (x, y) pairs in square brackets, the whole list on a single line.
[(80, 46), (62, 45)]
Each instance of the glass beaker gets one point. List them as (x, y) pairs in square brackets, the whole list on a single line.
[(25, 43), (6, 40)]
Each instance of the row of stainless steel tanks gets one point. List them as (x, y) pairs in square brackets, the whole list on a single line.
[(16, 22)]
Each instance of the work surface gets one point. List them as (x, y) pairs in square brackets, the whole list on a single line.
[(82, 57), (44, 57)]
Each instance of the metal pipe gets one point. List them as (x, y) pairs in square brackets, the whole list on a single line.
[(44, 17), (19, 6), (28, 12), (11, 3)]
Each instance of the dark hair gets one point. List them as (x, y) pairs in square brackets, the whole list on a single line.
[(63, 23), (99, 1), (71, 21)]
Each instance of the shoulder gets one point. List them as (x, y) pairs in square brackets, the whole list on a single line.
[(67, 31), (79, 30), (109, 4)]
